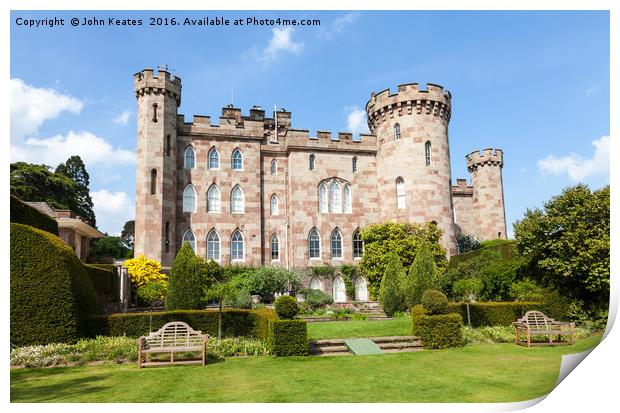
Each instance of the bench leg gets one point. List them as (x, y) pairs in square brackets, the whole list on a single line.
[(139, 359), (529, 341), (172, 357), (517, 337)]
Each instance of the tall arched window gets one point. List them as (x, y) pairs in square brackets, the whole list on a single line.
[(361, 291), (214, 159), (153, 181), (346, 197), (335, 204), (316, 284), (237, 160), (396, 132), (275, 248), (311, 162), (336, 244), (427, 152), (189, 199), (323, 204), (274, 205), (213, 246), (189, 158), (339, 292), (236, 246), (358, 244), (274, 167), (314, 244), (236, 200), (354, 164), (188, 237), (213, 199), (400, 193)]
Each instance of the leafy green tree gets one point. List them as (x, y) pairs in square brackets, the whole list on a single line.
[(109, 246), (422, 275), (221, 291), (189, 276), (526, 290), (467, 243), (75, 169), (468, 290), (36, 183), (391, 294), (402, 239), (567, 243), (128, 233), (266, 281)]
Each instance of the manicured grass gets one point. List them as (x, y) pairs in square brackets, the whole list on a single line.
[(480, 373), (366, 328)]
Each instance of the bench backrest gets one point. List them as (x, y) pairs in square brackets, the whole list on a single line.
[(536, 320), (174, 334)]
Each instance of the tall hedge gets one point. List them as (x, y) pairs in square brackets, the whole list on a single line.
[(439, 331), (105, 281), (496, 313), (22, 213), (52, 296), (235, 322), (391, 292), (422, 275)]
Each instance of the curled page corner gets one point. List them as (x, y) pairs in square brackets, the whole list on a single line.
[(569, 362)]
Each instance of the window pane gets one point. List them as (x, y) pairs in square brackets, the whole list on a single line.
[(274, 167), (311, 161), (323, 208), (347, 199), (358, 245), (190, 158), (275, 248), (213, 246), (189, 199), (335, 204), (237, 160), (314, 244), (236, 252), (336, 244), (213, 199), (274, 205), (237, 200), (427, 153), (214, 159), (400, 193), (189, 237)]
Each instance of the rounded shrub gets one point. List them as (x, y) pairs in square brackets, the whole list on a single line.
[(435, 302), (286, 307), (317, 298), (52, 296)]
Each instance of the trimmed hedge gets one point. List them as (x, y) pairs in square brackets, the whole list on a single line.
[(52, 297), (22, 213), (495, 313), (235, 322), (439, 331), (105, 281), (288, 337), (506, 248)]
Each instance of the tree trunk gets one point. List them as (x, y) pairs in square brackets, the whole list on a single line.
[(219, 322), (468, 317)]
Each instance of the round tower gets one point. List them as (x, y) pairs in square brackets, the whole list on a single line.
[(413, 156), (159, 97), (488, 197)]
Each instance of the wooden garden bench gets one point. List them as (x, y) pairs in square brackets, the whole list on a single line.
[(535, 323), (174, 337)]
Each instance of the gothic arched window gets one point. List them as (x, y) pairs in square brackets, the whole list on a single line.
[(314, 244), (275, 248), (336, 244), (213, 199), (274, 205), (400, 193), (396, 132), (236, 246), (274, 167), (189, 199), (237, 160), (214, 159), (335, 204), (188, 237), (189, 158), (358, 244), (323, 204), (236, 200), (213, 246)]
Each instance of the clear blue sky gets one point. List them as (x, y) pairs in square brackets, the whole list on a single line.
[(535, 84)]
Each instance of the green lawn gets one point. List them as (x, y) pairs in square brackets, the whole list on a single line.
[(480, 373), (369, 328)]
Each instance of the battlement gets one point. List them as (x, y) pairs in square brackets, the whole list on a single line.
[(409, 99), (489, 156), (146, 82), (461, 188)]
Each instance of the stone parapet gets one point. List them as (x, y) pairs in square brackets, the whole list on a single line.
[(489, 156), (146, 82)]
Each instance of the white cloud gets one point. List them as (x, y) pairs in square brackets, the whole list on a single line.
[(31, 106), (338, 25), (591, 90), (122, 118), (112, 209), (281, 42), (356, 121), (51, 151), (576, 166)]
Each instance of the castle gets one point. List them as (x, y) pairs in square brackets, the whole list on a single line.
[(256, 191)]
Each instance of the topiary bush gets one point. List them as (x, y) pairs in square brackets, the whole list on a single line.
[(22, 213), (439, 331), (422, 275), (435, 302), (391, 294), (417, 310), (52, 296), (186, 281), (286, 307), (288, 337)]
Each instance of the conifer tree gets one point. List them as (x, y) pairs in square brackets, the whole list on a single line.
[(185, 282), (391, 294), (422, 275)]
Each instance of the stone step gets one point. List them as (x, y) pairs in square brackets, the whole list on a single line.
[(393, 339), (401, 345)]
